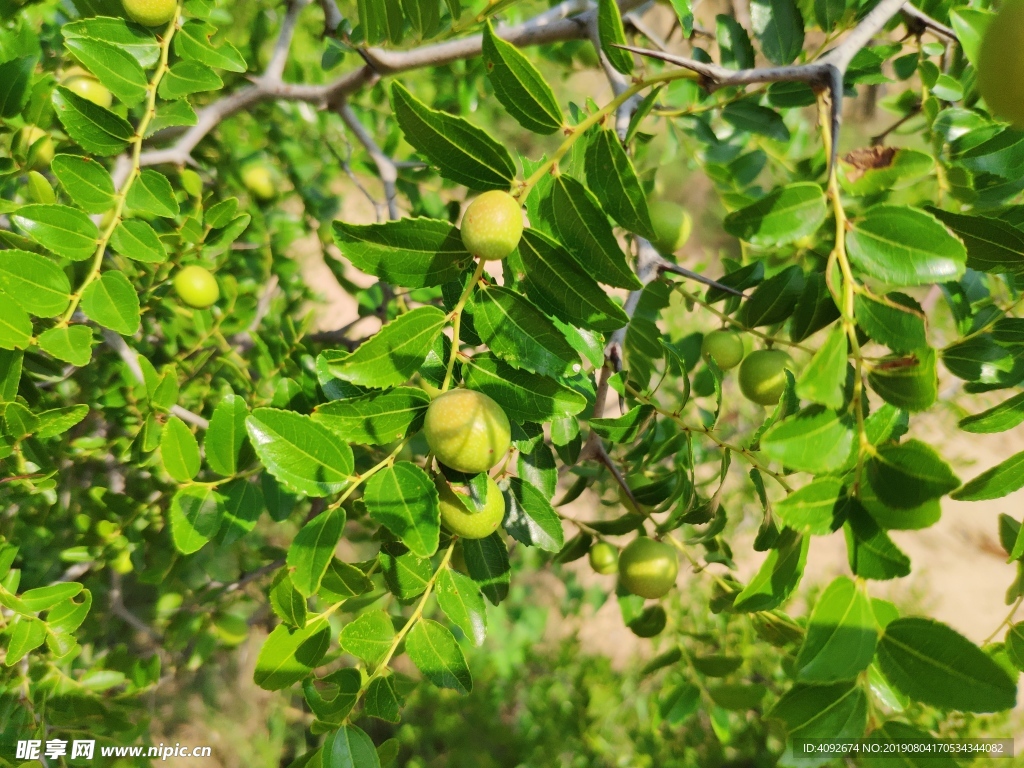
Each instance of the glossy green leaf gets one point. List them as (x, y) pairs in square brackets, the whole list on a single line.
[(312, 549), (411, 252), (611, 33), (909, 382), (376, 418), (936, 665), (349, 747), (773, 300), (625, 428), (435, 652), (871, 552), (406, 575), (305, 456), (831, 711), (529, 517), (86, 181), (34, 282), (15, 77), (488, 565), (780, 28), (15, 325), (97, 130), (462, 152), (179, 450), (188, 77), (195, 517), (521, 89), (113, 66), (57, 421), (519, 333), (460, 599), (288, 654), (896, 321), (524, 396), (192, 42), (612, 179), (151, 193), (992, 245), (226, 435), (403, 498), (72, 344), (813, 440), (778, 576), (841, 635), (824, 379), (111, 301), (999, 418), (1001, 480), (243, 505), (813, 509), (42, 598), (137, 240), (369, 637), (783, 216), (133, 38), (285, 600), (905, 246), (26, 634), (907, 474), (65, 231), (394, 353)]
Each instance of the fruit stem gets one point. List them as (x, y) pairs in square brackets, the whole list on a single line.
[(457, 323), (122, 194), (410, 622)]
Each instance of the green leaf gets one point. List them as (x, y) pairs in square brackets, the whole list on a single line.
[(368, 637), (1015, 644), (749, 116), (226, 435), (424, 16), (733, 43), (26, 634), (780, 28), (43, 598), (905, 246), (57, 421), (34, 282), (905, 475), (382, 699), (435, 652), (1007, 415), (488, 565), (72, 344), (519, 333), (192, 41), (909, 382), (978, 359), (625, 428), (179, 450), (243, 504), (871, 552), (406, 575), (529, 517), (113, 66), (195, 517), (813, 440), (841, 635), (133, 38), (305, 456), (403, 498), (887, 322), (522, 395), (936, 665), (349, 747), (584, 229), (1001, 480), (86, 181), (783, 216), (136, 240), (814, 508), (394, 353), (613, 180), (97, 130), (891, 169), (66, 231), (286, 601), (111, 301), (411, 252), (773, 300), (15, 326), (462, 152), (288, 655), (312, 549), (376, 418), (342, 581), (833, 711), (459, 598), (152, 193), (611, 33), (892, 518), (520, 88), (778, 576), (993, 245), (188, 77), (824, 379), (15, 77), (559, 286), (814, 310)]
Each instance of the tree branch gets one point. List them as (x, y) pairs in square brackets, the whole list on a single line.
[(556, 25), (279, 57), (385, 165)]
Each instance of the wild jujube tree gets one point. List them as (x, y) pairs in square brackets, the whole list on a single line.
[(161, 391)]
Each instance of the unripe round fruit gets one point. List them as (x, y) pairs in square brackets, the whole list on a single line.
[(467, 430), (196, 286), (492, 225), (151, 13), (672, 225), (25, 140), (90, 88), (725, 346), (1001, 63), (648, 568), (604, 558), (459, 516), (259, 181), (763, 377)]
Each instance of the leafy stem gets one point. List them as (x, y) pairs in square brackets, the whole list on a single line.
[(456, 316), (415, 616), (133, 174), (358, 480), (736, 323)]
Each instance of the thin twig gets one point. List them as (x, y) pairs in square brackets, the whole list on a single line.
[(385, 165)]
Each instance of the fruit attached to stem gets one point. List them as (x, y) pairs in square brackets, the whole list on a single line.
[(196, 286), (151, 13), (648, 568), (725, 346), (34, 144), (763, 375), (460, 515), (467, 430), (88, 87), (492, 225), (672, 225), (259, 180), (604, 558)]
